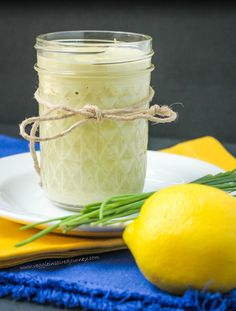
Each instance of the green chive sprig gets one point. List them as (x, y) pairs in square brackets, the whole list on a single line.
[(119, 209)]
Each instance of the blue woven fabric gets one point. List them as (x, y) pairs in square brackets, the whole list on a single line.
[(109, 281), (10, 145)]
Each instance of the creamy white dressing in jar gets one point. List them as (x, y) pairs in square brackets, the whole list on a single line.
[(103, 158)]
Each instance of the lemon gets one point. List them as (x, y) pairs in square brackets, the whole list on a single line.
[(185, 236)]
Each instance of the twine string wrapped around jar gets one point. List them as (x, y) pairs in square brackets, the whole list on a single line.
[(155, 113)]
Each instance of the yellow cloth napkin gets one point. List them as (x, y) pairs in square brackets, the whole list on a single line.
[(207, 149), (58, 246), (50, 246)]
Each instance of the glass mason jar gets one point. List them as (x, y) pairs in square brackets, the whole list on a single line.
[(100, 158)]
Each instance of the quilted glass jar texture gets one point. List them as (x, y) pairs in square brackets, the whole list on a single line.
[(101, 158)]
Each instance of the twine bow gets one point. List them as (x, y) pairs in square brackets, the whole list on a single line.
[(156, 114)]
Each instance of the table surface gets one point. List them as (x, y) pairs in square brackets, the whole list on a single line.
[(7, 304)]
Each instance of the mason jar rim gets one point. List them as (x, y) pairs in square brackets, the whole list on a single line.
[(70, 41)]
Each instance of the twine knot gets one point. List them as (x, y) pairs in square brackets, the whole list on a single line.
[(95, 111), (156, 114)]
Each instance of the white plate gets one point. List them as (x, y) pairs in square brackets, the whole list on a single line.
[(23, 201)]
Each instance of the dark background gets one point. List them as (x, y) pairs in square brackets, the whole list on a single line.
[(195, 59)]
